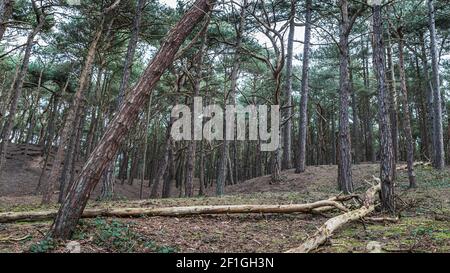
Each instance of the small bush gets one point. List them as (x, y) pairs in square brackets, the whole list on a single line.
[(43, 246)]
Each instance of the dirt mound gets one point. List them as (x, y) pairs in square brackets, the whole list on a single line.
[(23, 167), (315, 178), (24, 164)]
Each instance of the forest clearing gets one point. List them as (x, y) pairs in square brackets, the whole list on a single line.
[(422, 226), (242, 126)]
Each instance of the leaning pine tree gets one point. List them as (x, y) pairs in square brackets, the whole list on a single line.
[(73, 206)]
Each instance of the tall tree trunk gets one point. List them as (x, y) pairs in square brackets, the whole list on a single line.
[(162, 168), (422, 111), (448, 132), (50, 132), (66, 133), (287, 129), (439, 155), (92, 129), (303, 123), (429, 96), (192, 146), (393, 101), (134, 164), (406, 112), (69, 157), (76, 154), (333, 137), (222, 170), (73, 206), (6, 8), (144, 163), (18, 84), (355, 116), (170, 175), (132, 44), (6, 98), (345, 157), (386, 150), (35, 105), (109, 177), (201, 191), (368, 121)]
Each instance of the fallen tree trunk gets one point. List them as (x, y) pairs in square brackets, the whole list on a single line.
[(416, 164), (175, 211), (330, 226), (382, 219)]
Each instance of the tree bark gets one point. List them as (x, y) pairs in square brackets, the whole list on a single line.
[(320, 206), (386, 149), (35, 105), (144, 163), (162, 168), (368, 121), (73, 206), (429, 96), (192, 146), (439, 155), (109, 176), (287, 129), (69, 158), (345, 157), (170, 175), (6, 8), (355, 124), (132, 44), (222, 169), (393, 107), (303, 123), (406, 112)]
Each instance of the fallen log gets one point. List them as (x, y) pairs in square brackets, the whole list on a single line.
[(382, 219), (404, 167), (31, 216), (330, 226)]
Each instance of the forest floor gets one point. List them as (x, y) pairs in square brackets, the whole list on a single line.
[(424, 224)]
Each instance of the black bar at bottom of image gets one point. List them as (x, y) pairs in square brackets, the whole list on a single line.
[(187, 263)]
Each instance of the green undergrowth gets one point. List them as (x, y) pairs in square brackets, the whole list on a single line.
[(409, 235), (117, 236)]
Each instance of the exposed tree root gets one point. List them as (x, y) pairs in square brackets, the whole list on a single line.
[(319, 206), (9, 239), (330, 226)]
